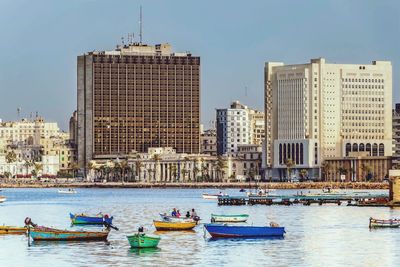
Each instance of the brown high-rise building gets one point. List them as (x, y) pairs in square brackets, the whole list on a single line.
[(136, 97)]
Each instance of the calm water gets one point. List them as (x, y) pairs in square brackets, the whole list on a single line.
[(326, 235)]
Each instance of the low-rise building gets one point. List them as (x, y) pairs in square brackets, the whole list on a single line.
[(208, 141)]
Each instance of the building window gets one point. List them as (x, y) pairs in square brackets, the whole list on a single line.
[(374, 149), (381, 149)]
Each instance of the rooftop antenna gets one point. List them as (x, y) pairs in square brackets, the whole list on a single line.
[(19, 112), (122, 40), (141, 26)]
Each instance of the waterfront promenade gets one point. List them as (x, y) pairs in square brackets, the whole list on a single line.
[(275, 185)]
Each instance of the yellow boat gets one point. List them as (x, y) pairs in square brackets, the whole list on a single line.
[(174, 226), (12, 230)]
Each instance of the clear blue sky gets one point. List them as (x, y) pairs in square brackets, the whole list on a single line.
[(39, 42)]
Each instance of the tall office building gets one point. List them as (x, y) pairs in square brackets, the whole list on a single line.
[(319, 111), (135, 97), (396, 135), (238, 125)]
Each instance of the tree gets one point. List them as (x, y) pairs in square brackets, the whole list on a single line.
[(124, 167), (204, 171), (156, 158), (326, 169), (221, 166), (195, 171), (303, 174), (11, 157), (74, 168), (138, 168), (91, 166), (37, 168), (341, 171), (289, 166), (367, 172), (27, 165), (173, 171)]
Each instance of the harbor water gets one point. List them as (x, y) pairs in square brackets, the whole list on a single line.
[(327, 235)]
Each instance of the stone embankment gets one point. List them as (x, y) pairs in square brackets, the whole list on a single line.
[(275, 185)]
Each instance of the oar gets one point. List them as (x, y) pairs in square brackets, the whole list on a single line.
[(107, 225)]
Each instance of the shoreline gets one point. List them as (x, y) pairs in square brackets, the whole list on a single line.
[(274, 185)]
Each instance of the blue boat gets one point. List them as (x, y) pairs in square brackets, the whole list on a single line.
[(238, 231), (85, 219)]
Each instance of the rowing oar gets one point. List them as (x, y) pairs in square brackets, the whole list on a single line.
[(108, 225)]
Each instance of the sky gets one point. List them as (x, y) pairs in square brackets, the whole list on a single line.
[(40, 41)]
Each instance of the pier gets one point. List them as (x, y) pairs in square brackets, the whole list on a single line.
[(349, 199)]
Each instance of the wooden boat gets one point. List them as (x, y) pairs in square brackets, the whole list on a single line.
[(86, 219), (141, 240), (391, 223), (41, 233), (12, 230), (229, 218), (234, 231), (174, 226), (214, 196), (167, 218), (69, 191), (2, 199)]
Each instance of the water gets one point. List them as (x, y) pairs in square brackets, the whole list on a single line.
[(327, 235)]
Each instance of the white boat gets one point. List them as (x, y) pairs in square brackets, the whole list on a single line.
[(214, 196), (69, 191), (2, 199)]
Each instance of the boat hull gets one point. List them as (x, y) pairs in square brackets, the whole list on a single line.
[(173, 226), (2, 199), (229, 218), (81, 219), (49, 234), (376, 223), (228, 231), (143, 241), (12, 230)]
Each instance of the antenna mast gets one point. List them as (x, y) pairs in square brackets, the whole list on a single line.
[(140, 24)]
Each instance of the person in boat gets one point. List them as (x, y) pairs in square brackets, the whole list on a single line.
[(194, 216), (173, 213), (178, 214), (188, 214)]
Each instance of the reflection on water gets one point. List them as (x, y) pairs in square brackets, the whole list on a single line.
[(328, 235)]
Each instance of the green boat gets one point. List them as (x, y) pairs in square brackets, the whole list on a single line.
[(141, 240), (229, 218)]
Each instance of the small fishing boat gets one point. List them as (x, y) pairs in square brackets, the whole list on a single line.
[(167, 218), (242, 190), (86, 219), (229, 218), (391, 223), (174, 226), (69, 191), (2, 199), (233, 231), (41, 233), (142, 240), (12, 230), (214, 196)]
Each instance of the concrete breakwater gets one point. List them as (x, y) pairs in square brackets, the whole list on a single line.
[(275, 185)]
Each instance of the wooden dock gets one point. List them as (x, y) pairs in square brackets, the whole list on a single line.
[(351, 200)]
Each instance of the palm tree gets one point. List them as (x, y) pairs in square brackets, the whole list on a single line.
[(341, 171), (156, 158), (37, 167), (303, 174), (149, 171), (367, 171), (11, 157), (173, 171), (138, 168), (124, 167), (28, 164), (204, 171), (326, 168), (195, 172), (91, 166), (74, 167), (221, 165), (289, 166)]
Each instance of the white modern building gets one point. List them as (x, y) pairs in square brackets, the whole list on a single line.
[(319, 110), (234, 128)]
